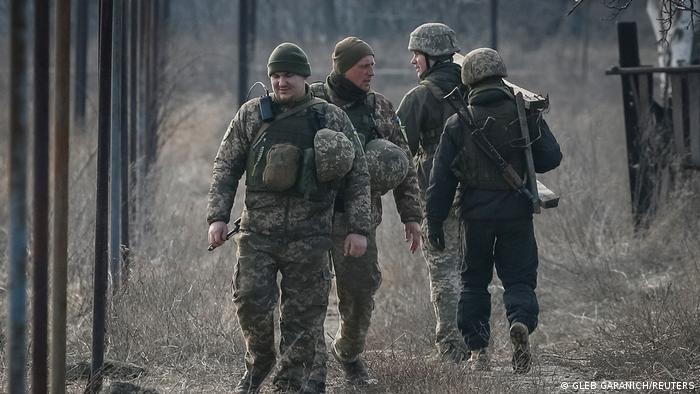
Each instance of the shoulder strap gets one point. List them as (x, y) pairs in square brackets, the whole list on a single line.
[(470, 113), (291, 112), (371, 101), (434, 89), (317, 116), (324, 88), (319, 89)]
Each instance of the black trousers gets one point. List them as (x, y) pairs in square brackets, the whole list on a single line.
[(510, 246)]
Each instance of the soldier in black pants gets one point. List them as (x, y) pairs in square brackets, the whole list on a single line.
[(496, 219)]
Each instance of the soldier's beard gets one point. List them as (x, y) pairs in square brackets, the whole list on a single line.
[(287, 98)]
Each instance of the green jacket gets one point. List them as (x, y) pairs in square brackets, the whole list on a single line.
[(386, 125), (281, 214), (423, 116)]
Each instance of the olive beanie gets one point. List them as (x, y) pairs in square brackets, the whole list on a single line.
[(349, 51), (288, 57)]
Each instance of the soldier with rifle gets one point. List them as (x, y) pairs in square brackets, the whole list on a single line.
[(483, 152)]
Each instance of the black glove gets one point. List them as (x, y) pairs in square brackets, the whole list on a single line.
[(436, 237)]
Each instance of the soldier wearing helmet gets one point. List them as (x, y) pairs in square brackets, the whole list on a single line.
[(496, 220), (358, 278), (295, 163), (423, 113)]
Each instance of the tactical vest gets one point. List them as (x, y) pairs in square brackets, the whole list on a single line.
[(297, 130), (473, 167), (361, 114), (431, 136)]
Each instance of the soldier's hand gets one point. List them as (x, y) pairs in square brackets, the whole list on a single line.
[(413, 234), (355, 245), (217, 233), (436, 237)]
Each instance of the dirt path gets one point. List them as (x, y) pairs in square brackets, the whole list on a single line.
[(553, 370)]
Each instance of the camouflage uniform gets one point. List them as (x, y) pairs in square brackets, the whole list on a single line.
[(423, 113), (358, 279), (286, 233)]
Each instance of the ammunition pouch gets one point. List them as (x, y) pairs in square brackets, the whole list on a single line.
[(281, 167)]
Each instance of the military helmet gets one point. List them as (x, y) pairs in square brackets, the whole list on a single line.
[(387, 165), (433, 39), (334, 155), (482, 63)]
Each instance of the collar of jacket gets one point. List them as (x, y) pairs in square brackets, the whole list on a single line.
[(445, 75), (440, 68), (279, 108), (344, 88), (488, 92)]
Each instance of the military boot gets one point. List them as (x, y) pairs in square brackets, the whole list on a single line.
[(451, 351), (314, 386), (519, 336), (479, 360), (316, 383), (356, 372), (250, 383)]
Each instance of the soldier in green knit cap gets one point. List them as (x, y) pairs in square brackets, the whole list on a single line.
[(295, 164), (386, 148)]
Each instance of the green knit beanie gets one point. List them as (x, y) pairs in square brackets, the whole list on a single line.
[(349, 51), (289, 58)]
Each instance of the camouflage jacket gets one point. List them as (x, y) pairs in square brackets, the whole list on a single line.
[(388, 126), (279, 214), (423, 117)]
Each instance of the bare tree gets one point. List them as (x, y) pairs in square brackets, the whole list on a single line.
[(670, 10)]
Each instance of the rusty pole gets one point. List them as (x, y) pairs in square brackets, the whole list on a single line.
[(133, 109), (243, 41), (146, 109), (60, 197), (40, 200), (151, 97), (102, 199), (124, 197), (494, 24), (80, 82), (141, 116), (17, 254), (116, 149)]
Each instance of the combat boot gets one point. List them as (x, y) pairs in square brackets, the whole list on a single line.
[(479, 360), (314, 386), (451, 351), (250, 383), (316, 383), (519, 336), (356, 372)]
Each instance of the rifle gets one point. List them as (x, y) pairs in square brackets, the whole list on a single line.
[(531, 183), (236, 229), (507, 171)]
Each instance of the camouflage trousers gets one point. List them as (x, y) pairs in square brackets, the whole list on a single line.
[(357, 280), (304, 287), (445, 284)]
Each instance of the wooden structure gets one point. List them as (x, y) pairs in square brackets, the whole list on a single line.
[(682, 113), (684, 106)]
